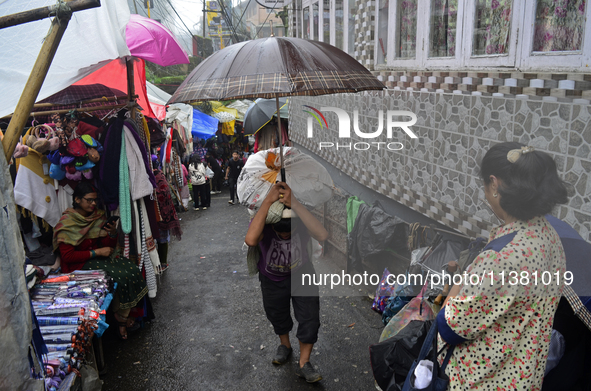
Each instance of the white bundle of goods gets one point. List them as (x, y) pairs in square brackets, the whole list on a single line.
[(309, 181)]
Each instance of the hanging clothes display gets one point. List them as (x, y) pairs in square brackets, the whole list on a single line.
[(150, 242), (109, 165), (144, 260), (34, 190), (140, 183), (169, 220)]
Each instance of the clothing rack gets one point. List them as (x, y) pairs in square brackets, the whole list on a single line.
[(82, 109), (83, 102)]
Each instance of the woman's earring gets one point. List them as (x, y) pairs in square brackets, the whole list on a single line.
[(495, 195)]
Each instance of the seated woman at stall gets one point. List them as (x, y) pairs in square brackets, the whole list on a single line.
[(501, 322), (84, 240)]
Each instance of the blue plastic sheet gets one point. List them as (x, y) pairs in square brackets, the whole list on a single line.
[(204, 126)]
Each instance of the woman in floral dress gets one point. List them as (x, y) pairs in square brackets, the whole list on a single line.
[(501, 322)]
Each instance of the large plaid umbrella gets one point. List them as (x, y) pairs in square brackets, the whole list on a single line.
[(274, 67)]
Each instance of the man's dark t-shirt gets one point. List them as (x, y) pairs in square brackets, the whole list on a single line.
[(235, 167), (215, 167), (280, 257)]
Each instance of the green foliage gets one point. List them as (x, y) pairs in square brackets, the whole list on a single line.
[(204, 107), (173, 79)]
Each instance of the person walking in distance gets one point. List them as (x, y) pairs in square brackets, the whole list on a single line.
[(232, 172), (216, 182), (200, 190)]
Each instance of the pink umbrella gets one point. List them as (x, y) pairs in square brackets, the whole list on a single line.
[(151, 41)]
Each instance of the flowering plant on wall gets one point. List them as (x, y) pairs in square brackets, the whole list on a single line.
[(492, 27), (559, 26)]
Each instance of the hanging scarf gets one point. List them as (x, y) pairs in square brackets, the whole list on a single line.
[(145, 263), (150, 242), (108, 182), (146, 130), (168, 214), (169, 147), (73, 228), (124, 196), (146, 157)]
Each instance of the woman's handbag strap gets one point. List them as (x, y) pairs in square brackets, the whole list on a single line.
[(431, 336)]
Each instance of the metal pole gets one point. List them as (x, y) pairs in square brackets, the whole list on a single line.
[(280, 139), (35, 81)]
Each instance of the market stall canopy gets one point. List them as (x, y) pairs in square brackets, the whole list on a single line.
[(156, 94), (79, 54), (204, 126), (158, 99), (114, 75), (181, 112), (151, 41), (241, 107)]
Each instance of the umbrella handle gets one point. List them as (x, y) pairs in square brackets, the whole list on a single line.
[(283, 174)]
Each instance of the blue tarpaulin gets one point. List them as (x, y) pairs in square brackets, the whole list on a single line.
[(204, 126)]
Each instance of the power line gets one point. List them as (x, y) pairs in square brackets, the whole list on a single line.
[(177, 14), (163, 11), (228, 20), (263, 25), (243, 12)]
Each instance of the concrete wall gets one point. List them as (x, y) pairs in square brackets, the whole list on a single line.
[(437, 174)]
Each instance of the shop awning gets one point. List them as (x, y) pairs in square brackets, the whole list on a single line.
[(93, 38)]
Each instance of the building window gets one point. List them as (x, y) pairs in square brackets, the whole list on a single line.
[(443, 28), (407, 23), (339, 24), (315, 21), (306, 20), (326, 21), (559, 25), (492, 27), (382, 33), (464, 34), (351, 36)]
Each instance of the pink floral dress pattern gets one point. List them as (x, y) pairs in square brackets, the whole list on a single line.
[(507, 326)]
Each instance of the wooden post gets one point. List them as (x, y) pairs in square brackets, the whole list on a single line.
[(130, 84), (37, 77), (45, 12)]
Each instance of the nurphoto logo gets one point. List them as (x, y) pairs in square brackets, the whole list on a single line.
[(345, 128)]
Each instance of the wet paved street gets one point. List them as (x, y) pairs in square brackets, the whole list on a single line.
[(211, 333)]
